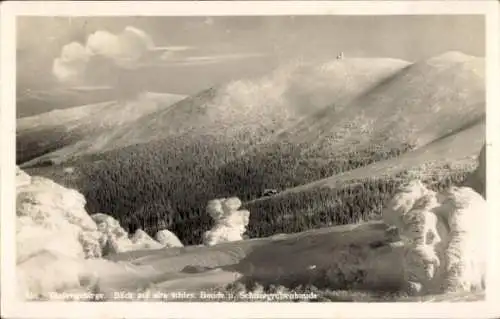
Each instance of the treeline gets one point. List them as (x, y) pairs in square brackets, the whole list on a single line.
[(357, 201), (152, 184), (287, 165)]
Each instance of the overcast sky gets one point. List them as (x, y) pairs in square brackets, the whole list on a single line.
[(188, 54)]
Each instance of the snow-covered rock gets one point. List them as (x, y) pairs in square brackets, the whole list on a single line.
[(113, 238), (465, 256), (52, 217), (214, 208), (31, 239), (91, 243), (230, 223), (59, 244), (55, 237), (402, 202), (230, 205), (168, 239), (443, 237)]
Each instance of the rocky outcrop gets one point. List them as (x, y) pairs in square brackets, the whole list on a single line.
[(230, 223)]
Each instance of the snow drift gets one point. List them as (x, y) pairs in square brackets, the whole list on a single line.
[(230, 223)]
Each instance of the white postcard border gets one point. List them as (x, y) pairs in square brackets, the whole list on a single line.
[(15, 308)]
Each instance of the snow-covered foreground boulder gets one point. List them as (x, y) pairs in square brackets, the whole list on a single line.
[(53, 232), (142, 240), (51, 217), (55, 235), (230, 223), (443, 237)]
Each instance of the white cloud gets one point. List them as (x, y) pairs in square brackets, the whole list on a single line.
[(137, 34), (65, 72), (71, 63), (104, 43), (210, 59), (126, 49), (104, 53), (173, 48), (74, 52)]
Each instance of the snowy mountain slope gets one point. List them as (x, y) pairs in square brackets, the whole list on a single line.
[(31, 102), (420, 103), (105, 114), (245, 110), (254, 108), (61, 133)]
